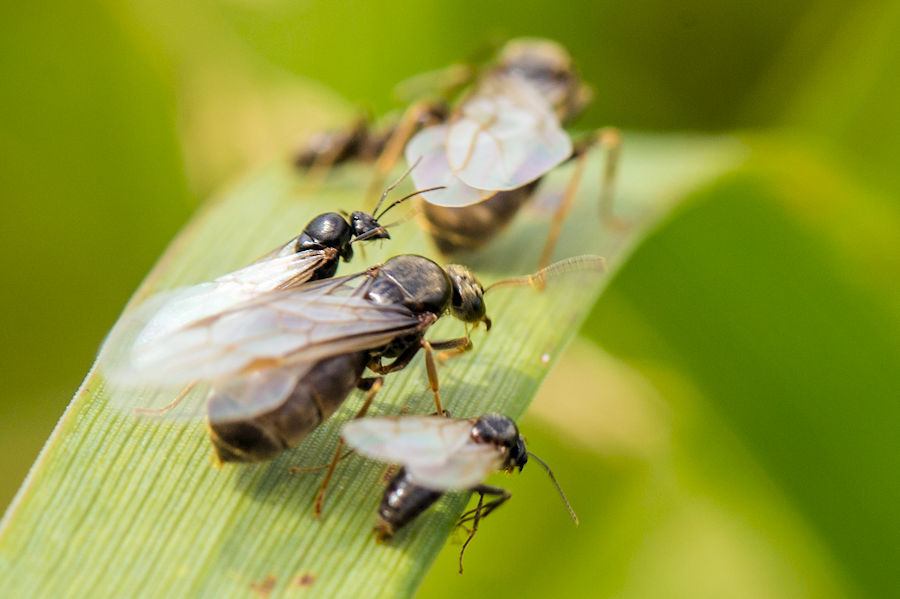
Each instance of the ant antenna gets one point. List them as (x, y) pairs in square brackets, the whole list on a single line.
[(558, 488), (391, 187), (412, 214), (539, 279), (406, 197), (382, 228)]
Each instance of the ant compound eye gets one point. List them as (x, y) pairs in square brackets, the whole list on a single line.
[(467, 303)]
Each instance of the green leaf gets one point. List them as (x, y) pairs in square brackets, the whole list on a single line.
[(122, 506)]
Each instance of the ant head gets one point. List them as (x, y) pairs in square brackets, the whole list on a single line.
[(535, 58), (518, 455), (498, 429), (549, 68), (365, 226), (467, 303)]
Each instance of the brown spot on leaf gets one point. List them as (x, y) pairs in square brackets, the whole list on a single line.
[(305, 580), (264, 588)]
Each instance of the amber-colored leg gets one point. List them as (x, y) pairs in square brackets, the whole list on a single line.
[(562, 211), (611, 140), (336, 146), (453, 352), (310, 470), (431, 366), (375, 385), (431, 369)]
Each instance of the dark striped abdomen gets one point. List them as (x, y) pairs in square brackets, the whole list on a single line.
[(470, 227), (316, 397), (401, 503)]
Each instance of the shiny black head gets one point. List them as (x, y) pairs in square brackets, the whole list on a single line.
[(328, 230), (467, 303), (365, 226), (497, 429)]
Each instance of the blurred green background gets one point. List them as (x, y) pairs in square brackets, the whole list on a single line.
[(736, 435)]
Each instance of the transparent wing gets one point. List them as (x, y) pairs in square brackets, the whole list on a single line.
[(236, 398), (430, 440), (182, 307), (438, 453), (258, 392), (282, 250), (277, 329), (279, 271), (505, 136), (467, 467), (429, 147)]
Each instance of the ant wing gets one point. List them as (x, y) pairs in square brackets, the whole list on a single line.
[(282, 268), (173, 310), (411, 440), (256, 393), (505, 136), (278, 329), (428, 148), (281, 250), (467, 467), (237, 398), (437, 452)]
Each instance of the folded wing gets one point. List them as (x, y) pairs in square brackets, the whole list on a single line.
[(505, 136), (285, 328), (437, 453)]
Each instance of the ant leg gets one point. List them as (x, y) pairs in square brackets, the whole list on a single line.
[(404, 359), (371, 385), (431, 366), (452, 348), (416, 116), (327, 149), (502, 496), (562, 211), (480, 512), (399, 363), (442, 81), (458, 344), (431, 369), (310, 470), (445, 356), (611, 140), (159, 411)]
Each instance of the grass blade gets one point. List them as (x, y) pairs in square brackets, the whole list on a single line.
[(122, 506)]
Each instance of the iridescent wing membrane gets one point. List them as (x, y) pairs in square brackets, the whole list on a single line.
[(503, 137), (258, 349), (438, 453)]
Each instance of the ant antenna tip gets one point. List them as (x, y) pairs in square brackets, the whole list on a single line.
[(558, 488)]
